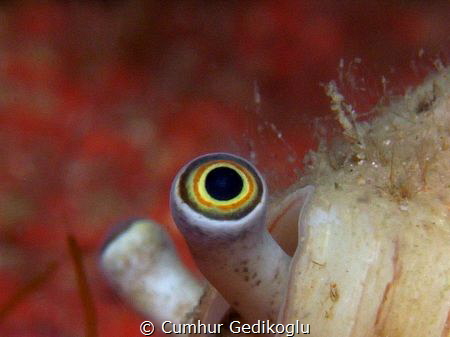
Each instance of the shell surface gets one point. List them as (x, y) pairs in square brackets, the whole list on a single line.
[(373, 256)]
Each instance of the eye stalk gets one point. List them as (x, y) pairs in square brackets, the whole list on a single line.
[(219, 203), (140, 261)]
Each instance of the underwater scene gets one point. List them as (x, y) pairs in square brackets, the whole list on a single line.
[(102, 104)]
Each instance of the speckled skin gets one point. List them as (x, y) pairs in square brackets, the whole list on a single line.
[(254, 292)]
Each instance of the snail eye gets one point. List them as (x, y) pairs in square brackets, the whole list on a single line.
[(220, 186)]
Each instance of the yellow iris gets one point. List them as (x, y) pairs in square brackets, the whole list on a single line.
[(198, 194)]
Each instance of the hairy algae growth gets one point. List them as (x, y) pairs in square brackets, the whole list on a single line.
[(378, 229)]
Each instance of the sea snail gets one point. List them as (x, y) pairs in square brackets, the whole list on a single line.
[(359, 248)]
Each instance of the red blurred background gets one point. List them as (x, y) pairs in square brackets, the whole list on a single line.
[(101, 103)]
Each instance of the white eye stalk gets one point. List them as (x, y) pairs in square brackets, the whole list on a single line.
[(141, 262), (236, 254)]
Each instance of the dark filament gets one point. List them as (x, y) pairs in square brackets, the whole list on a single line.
[(223, 183)]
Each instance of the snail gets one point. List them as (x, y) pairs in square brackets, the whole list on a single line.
[(359, 247)]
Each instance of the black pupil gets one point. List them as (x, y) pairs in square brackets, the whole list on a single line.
[(223, 183)]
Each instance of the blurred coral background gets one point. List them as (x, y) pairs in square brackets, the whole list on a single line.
[(101, 103)]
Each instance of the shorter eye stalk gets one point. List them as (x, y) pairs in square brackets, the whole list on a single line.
[(219, 203), (140, 261)]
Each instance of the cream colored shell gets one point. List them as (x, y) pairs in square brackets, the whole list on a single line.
[(373, 257)]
